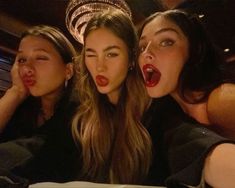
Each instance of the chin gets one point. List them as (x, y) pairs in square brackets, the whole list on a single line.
[(102, 90), (37, 93), (154, 93)]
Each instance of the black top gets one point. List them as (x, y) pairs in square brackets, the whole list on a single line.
[(180, 145), (46, 153), (23, 123)]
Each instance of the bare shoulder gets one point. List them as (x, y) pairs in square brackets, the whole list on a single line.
[(221, 106)]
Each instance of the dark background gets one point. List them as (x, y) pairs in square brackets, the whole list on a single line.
[(18, 15)]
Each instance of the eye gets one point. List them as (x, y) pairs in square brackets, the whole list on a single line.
[(90, 55), (112, 54), (166, 42), (141, 49), (42, 58), (21, 60)]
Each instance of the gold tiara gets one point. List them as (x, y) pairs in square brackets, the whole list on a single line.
[(79, 12)]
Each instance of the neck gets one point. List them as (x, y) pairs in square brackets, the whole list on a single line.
[(48, 105), (113, 97), (197, 111)]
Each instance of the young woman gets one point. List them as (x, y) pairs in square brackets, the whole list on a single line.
[(42, 70), (36, 109), (200, 81), (178, 60), (116, 148)]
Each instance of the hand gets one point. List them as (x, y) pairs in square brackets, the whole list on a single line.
[(17, 83)]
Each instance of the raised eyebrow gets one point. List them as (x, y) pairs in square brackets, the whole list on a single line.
[(161, 31), (165, 30), (38, 49), (106, 49), (111, 47), (89, 50), (41, 49)]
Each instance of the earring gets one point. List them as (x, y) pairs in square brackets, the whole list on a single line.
[(66, 83), (131, 66)]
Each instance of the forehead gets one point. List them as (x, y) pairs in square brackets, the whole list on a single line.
[(159, 23), (35, 42), (103, 37)]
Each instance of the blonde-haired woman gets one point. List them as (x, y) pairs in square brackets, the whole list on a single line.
[(116, 147)]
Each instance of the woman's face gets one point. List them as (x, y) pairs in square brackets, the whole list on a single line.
[(163, 52), (106, 58), (41, 67)]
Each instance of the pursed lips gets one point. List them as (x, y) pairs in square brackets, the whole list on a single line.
[(28, 81)]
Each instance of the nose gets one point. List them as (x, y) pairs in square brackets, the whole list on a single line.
[(100, 65), (147, 54), (27, 69)]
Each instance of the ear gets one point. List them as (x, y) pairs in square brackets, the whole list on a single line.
[(69, 71)]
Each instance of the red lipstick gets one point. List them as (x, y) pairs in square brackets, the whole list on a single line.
[(151, 74), (28, 82), (101, 81)]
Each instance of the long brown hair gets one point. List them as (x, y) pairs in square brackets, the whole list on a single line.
[(116, 147)]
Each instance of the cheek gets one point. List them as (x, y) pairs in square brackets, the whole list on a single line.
[(172, 75), (22, 71), (89, 67), (119, 72)]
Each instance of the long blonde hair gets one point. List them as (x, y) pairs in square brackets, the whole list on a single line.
[(116, 147)]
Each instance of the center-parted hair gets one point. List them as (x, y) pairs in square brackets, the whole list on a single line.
[(116, 147), (205, 68)]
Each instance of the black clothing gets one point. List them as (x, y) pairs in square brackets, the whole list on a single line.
[(58, 158), (46, 153), (180, 145)]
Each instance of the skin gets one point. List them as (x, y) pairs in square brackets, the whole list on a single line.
[(38, 71), (36, 58), (106, 58), (169, 60), (163, 47), (221, 108)]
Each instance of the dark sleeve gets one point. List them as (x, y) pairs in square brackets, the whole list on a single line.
[(22, 122), (59, 158), (188, 146)]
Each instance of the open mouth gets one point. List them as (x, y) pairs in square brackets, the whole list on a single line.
[(151, 74), (102, 81)]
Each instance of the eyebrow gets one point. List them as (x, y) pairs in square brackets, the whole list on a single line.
[(39, 49), (106, 49), (162, 31)]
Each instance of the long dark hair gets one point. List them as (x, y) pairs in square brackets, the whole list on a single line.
[(205, 68)]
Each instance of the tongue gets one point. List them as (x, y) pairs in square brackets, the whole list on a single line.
[(152, 78), (102, 81)]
